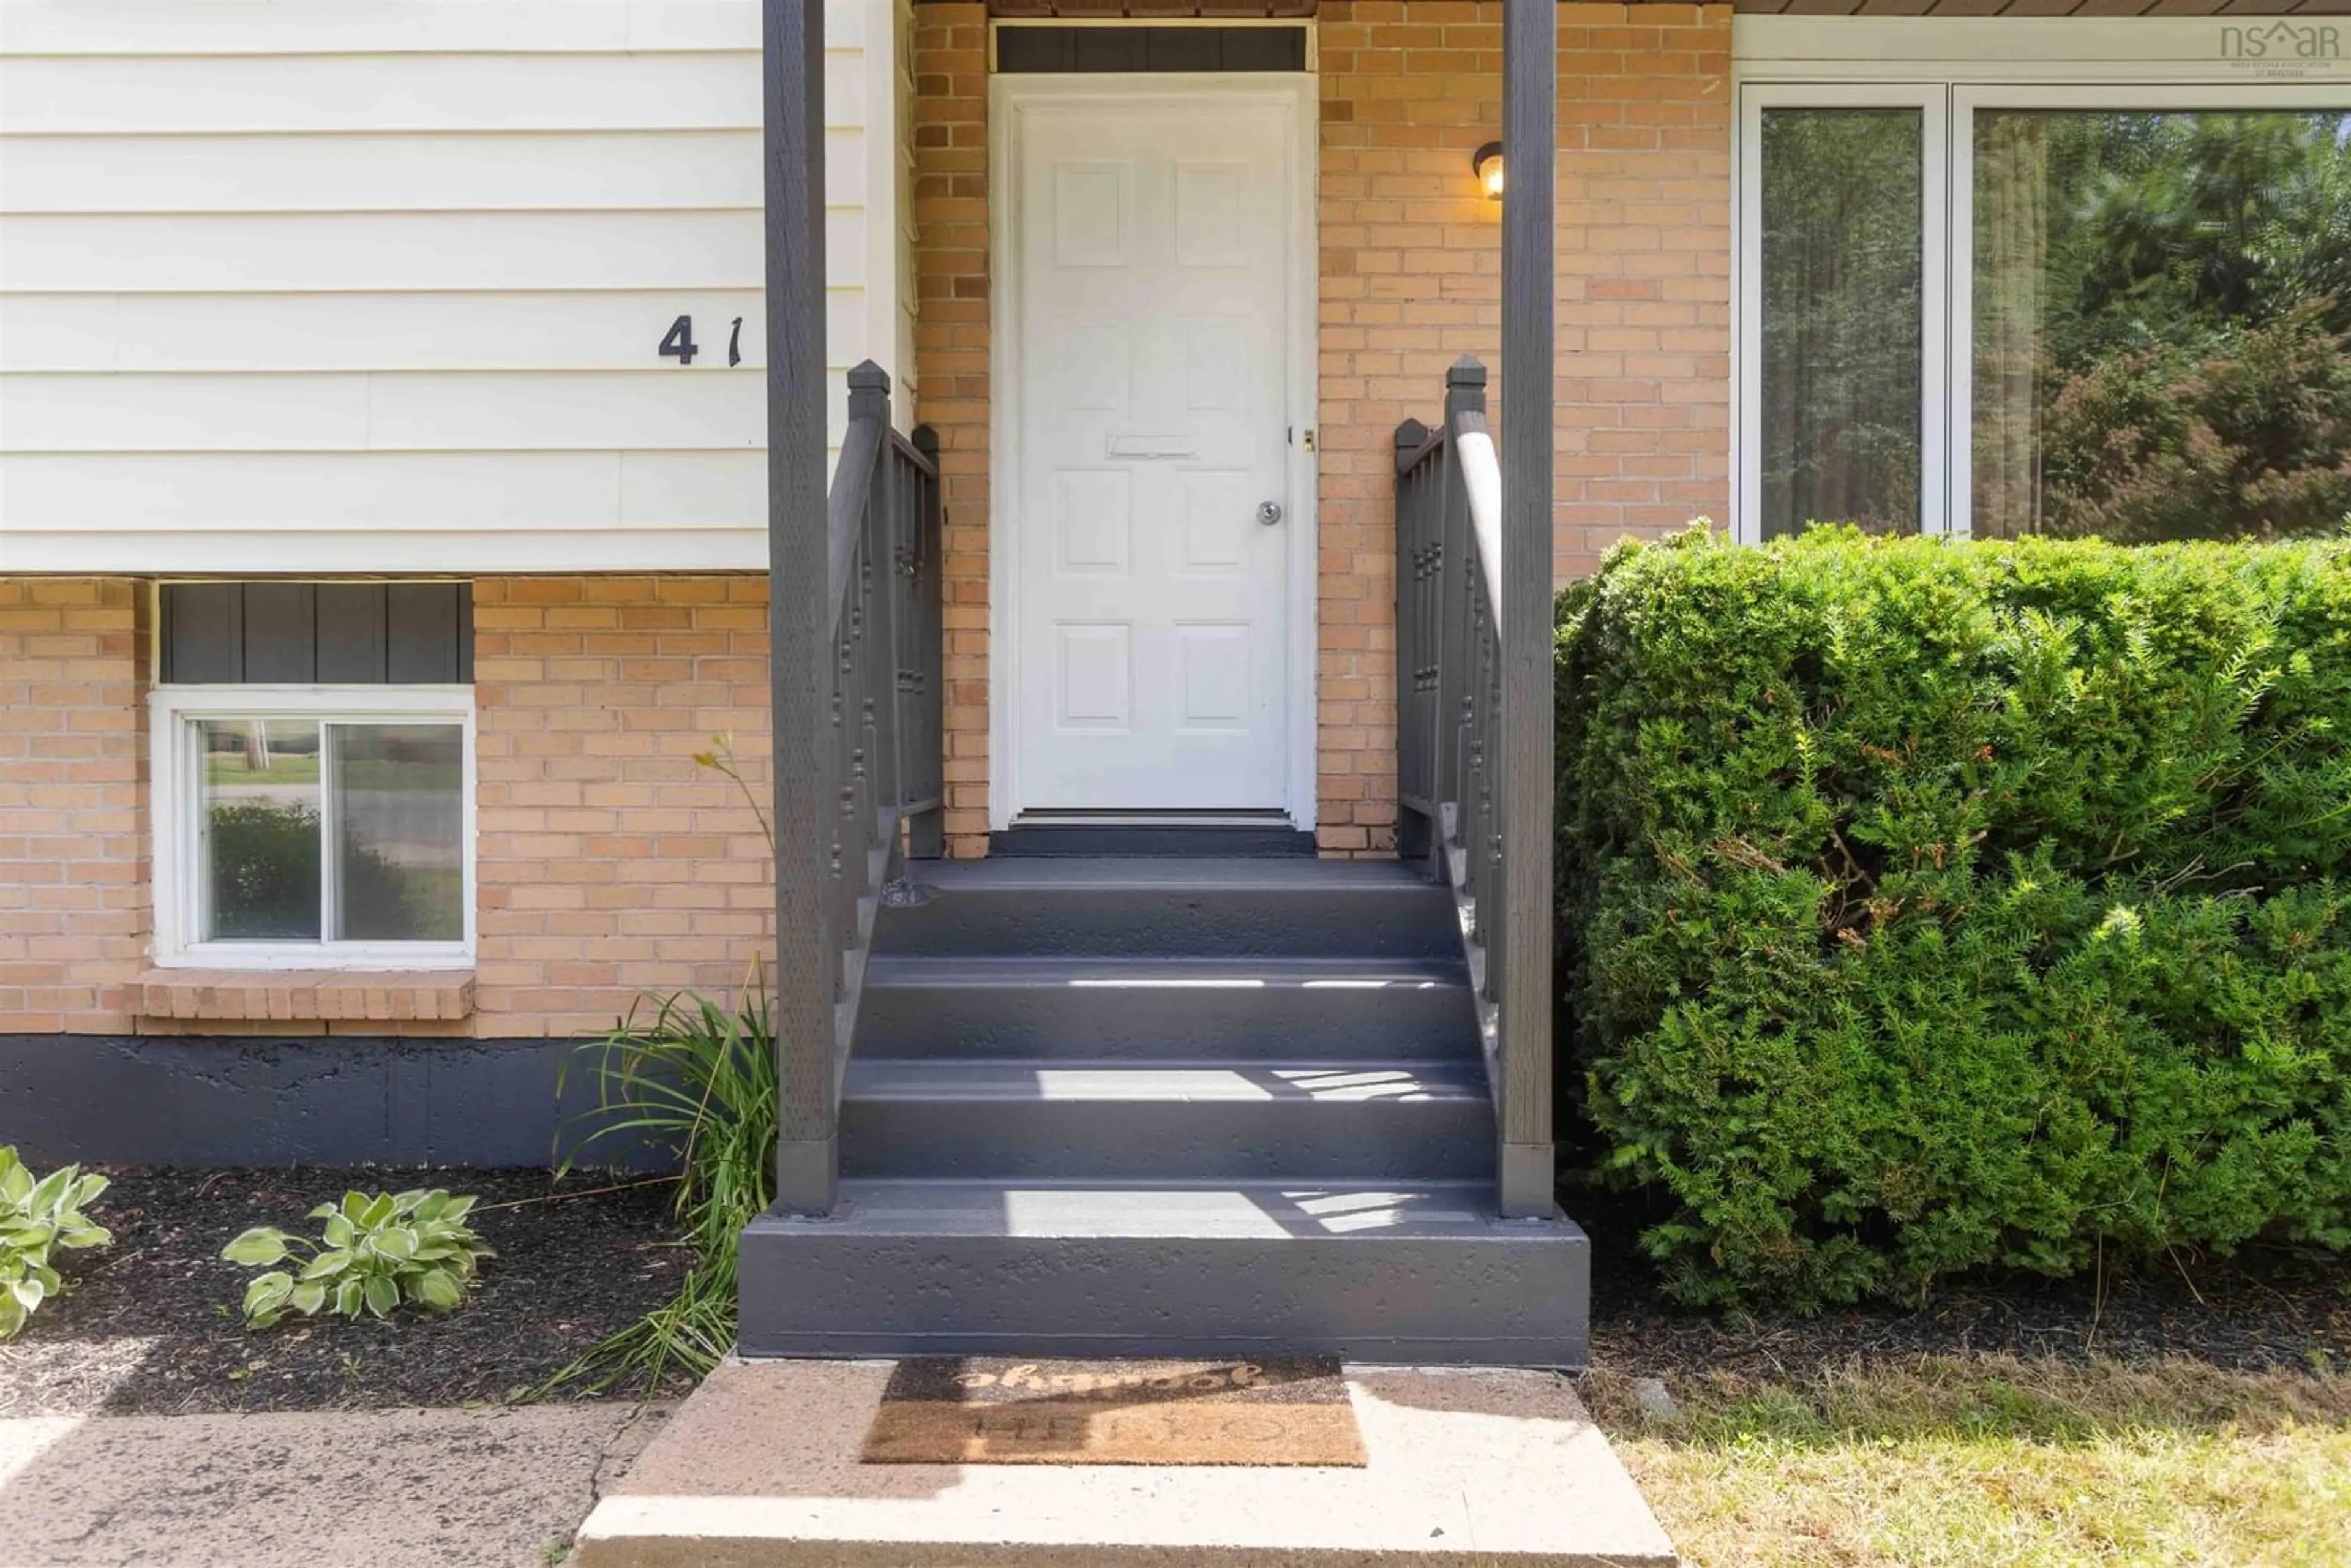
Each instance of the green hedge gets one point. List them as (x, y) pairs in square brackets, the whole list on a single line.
[(1930, 905)]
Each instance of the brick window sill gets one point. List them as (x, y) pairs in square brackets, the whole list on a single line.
[(300, 996)]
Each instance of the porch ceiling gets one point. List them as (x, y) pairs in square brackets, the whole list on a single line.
[(1151, 9), (2038, 7), (1157, 9)]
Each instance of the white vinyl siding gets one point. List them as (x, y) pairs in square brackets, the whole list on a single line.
[(312, 285)]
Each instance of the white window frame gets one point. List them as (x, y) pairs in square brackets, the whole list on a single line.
[(1931, 101), (177, 799), (1954, 68)]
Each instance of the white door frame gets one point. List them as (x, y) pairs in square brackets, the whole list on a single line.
[(1007, 97)]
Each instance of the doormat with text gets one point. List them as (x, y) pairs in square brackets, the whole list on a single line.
[(1004, 1410)]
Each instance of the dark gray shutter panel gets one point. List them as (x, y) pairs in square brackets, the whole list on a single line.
[(281, 640), (203, 631), (423, 619), (351, 644), (335, 634)]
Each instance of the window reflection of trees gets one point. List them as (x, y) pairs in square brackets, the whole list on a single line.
[(399, 861), (1844, 266), (2162, 322)]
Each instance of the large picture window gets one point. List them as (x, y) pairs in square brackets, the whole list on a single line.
[(2046, 310)]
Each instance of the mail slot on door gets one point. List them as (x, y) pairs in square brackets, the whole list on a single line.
[(1153, 447)]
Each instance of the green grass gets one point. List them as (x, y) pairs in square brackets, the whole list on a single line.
[(302, 768), (1994, 1462), (284, 767)]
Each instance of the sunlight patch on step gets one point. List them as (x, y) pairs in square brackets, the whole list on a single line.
[(1343, 1212), (1247, 983), (1228, 1083), (1047, 1212), (1197, 1211), (1352, 1083)]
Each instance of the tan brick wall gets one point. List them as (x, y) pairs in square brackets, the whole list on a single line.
[(610, 861), (951, 350), (1411, 280), (1644, 251), (74, 896)]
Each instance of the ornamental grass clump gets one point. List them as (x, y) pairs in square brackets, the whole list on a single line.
[(1929, 906), (375, 1253), (695, 1080), (36, 1218)]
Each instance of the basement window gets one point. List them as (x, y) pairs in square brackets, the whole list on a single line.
[(312, 822)]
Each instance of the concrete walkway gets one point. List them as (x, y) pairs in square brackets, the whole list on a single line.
[(760, 1470), (389, 1489)]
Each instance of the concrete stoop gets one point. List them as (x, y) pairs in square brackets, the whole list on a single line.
[(1468, 1467)]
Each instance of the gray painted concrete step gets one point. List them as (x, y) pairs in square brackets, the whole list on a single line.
[(1167, 1107), (1295, 1010), (1166, 1122), (1401, 1272), (1173, 908)]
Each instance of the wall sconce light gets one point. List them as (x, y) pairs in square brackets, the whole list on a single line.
[(1487, 162)]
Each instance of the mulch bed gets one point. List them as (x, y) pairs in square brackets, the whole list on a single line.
[(2268, 1309), (150, 1325)]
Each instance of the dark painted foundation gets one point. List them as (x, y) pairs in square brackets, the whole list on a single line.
[(294, 1101)]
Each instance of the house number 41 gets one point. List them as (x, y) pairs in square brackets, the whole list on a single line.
[(678, 344)]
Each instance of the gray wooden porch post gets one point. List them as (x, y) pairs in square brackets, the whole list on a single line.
[(799, 621), (1529, 149)]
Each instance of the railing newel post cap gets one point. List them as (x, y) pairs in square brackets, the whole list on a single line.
[(869, 391), (1465, 387), (1410, 436), (925, 439)]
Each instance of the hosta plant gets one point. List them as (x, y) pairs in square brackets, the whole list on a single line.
[(374, 1253), (37, 1216)]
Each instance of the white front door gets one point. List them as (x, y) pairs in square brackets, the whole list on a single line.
[(1149, 490)]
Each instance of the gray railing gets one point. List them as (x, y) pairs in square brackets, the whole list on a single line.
[(1457, 811), (882, 522)]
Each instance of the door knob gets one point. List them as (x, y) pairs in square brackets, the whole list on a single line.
[(1269, 512)]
